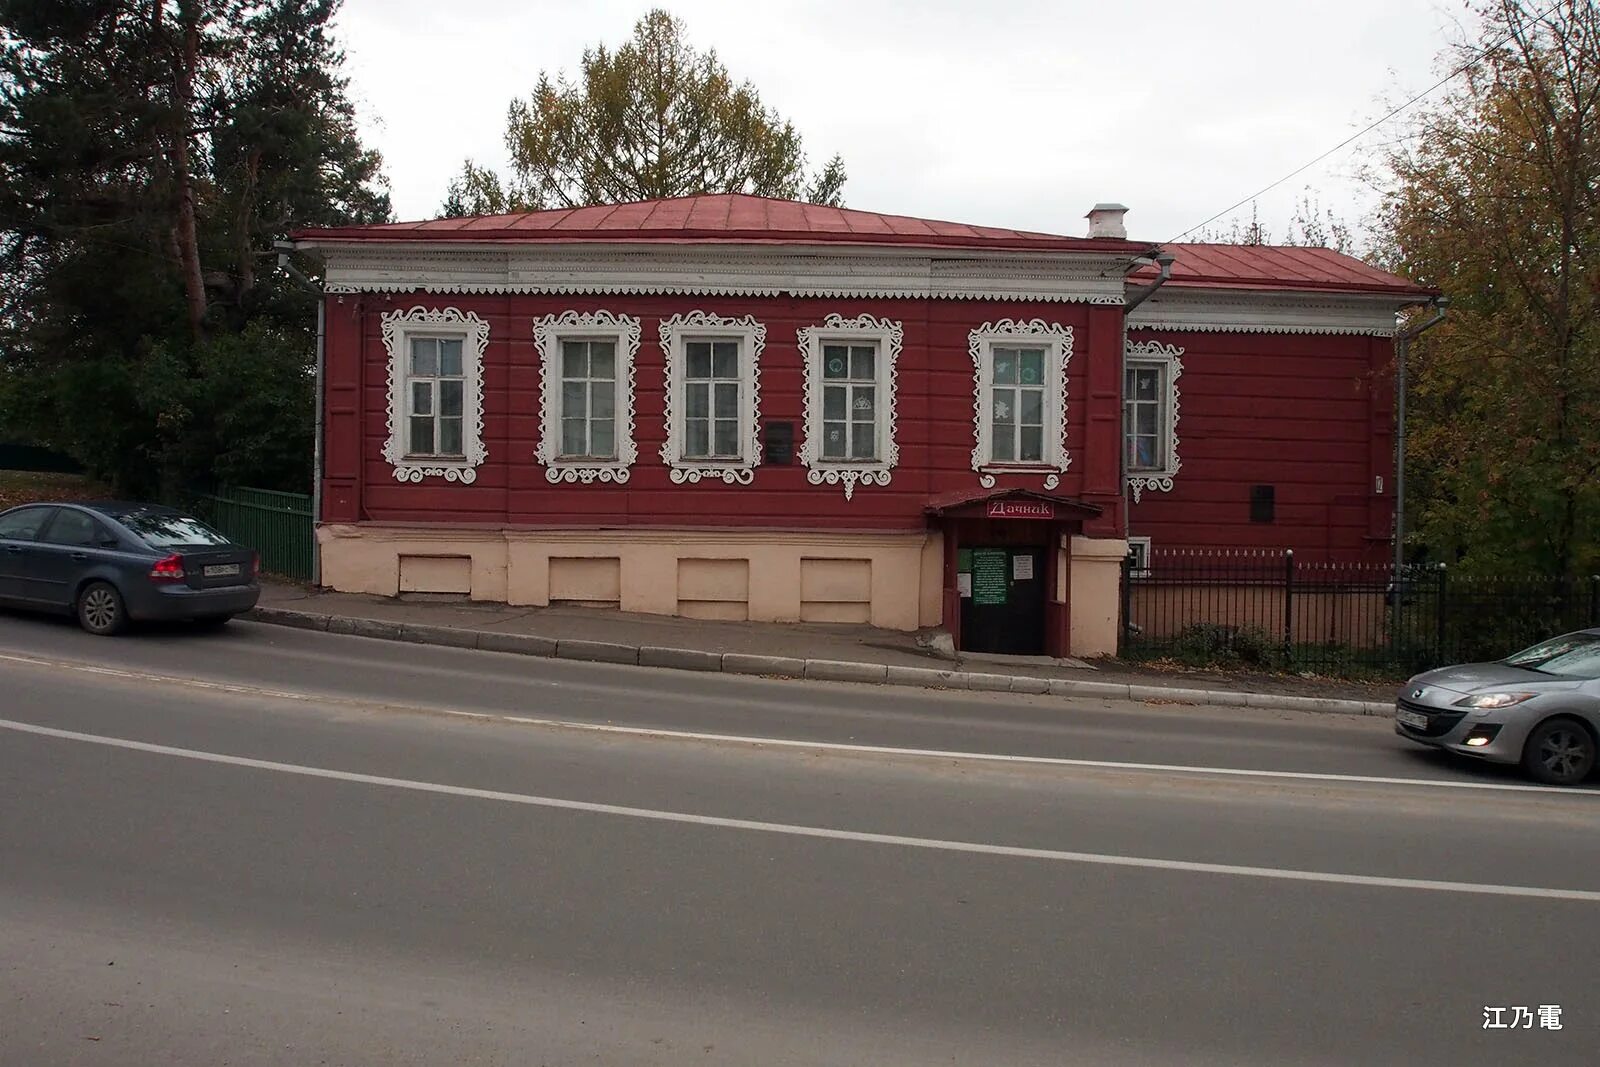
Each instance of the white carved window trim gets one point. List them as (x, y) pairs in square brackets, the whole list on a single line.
[(1056, 340), (698, 325), (1164, 357), (887, 335), (548, 333), (399, 327)]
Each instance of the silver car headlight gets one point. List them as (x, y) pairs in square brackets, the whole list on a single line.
[(1494, 700)]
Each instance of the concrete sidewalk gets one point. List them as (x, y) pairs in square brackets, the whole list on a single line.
[(802, 650)]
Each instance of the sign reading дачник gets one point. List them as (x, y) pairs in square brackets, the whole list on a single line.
[(1021, 509)]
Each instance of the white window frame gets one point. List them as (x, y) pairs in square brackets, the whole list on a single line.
[(1139, 557), (399, 328), (1166, 358), (887, 336), (1056, 340), (549, 332), (703, 326)]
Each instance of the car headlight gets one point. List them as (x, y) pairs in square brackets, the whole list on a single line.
[(1494, 700)]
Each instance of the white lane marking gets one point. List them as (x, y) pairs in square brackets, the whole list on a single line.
[(821, 746), (1586, 896)]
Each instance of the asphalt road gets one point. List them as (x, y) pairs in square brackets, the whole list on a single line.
[(266, 846)]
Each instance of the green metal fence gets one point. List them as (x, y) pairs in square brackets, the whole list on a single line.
[(277, 525)]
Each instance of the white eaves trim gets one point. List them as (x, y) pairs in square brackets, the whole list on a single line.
[(1247, 311), (723, 270)]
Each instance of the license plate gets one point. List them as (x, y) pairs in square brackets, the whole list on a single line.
[(1411, 718), (222, 570)]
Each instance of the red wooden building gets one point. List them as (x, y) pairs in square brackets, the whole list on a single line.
[(730, 407)]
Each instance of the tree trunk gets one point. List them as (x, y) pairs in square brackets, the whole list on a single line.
[(183, 101), (247, 205)]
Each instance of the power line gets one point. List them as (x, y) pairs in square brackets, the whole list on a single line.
[(1469, 64)]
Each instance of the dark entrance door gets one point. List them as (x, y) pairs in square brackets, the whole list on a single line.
[(1005, 611)]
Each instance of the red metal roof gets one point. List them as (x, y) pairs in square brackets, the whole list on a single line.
[(1277, 267), (730, 218)]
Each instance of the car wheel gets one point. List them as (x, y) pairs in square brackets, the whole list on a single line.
[(100, 609), (1559, 752)]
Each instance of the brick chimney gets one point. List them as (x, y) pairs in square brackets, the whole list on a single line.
[(1105, 220)]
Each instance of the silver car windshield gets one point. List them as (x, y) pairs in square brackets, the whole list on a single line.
[(1571, 655)]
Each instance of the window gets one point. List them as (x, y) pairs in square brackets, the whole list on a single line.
[(586, 395), (435, 393), (850, 400), (170, 529), (23, 524), (713, 382), (1020, 409), (1150, 416), (73, 527), (1139, 557)]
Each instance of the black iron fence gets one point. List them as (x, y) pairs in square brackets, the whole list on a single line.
[(1265, 609)]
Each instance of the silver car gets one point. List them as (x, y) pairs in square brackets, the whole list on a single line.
[(1539, 708)]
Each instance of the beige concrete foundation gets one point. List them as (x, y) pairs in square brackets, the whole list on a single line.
[(1096, 581)]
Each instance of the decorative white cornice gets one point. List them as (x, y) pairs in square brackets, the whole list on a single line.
[(474, 332), (548, 333), (1160, 479), (1057, 340), (1245, 311), (673, 331), (724, 270), (887, 335)]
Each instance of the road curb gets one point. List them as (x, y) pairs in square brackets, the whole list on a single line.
[(690, 659)]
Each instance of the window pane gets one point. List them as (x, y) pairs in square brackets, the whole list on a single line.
[(603, 438), (697, 400), (603, 399), (725, 359), (1147, 384), (835, 361), (833, 443), (424, 356), (697, 438), (1033, 366), (833, 401), (1005, 406), (727, 400), (1144, 452), (572, 400), (1004, 444), (422, 398), (727, 437), (450, 397), (1005, 366), (863, 441), (572, 440), (1032, 444), (72, 528), (574, 359), (1032, 407), (861, 362), (421, 435), (449, 437), (602, 359), (699, 358), (864, 405), (450, 359), (1144, 419)]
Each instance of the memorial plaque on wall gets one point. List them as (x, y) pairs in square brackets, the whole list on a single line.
[(777, 441)]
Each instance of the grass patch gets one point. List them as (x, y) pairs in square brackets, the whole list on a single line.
[(29, 487)]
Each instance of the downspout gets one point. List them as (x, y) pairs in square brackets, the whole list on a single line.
[(284, 249), (1163, 260), (1402, 348)]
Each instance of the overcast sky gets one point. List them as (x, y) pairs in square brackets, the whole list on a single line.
[(1002, 112)]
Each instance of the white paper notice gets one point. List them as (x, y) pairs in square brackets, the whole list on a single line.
[(964, 584), (1022, 568)]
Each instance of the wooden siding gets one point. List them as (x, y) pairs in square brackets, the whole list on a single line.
[(934, 406), (1310, 415)]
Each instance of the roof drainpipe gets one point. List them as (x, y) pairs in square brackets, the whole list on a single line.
[(1164, 261), (1402, 348), (284, 249)]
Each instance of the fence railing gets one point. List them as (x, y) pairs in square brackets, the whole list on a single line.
[(280, 526), (1266, 609)]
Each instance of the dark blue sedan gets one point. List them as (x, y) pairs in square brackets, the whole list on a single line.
[(112, 563)]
